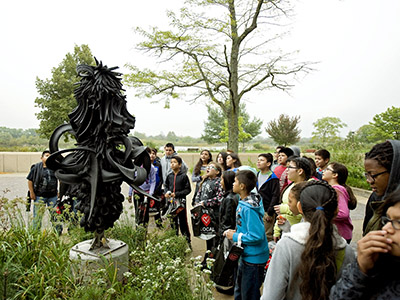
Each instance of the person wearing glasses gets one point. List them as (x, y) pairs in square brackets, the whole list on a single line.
[(382, 171), (299, 170), (308, 259), (375, 274), (336, 175), (210, 195)]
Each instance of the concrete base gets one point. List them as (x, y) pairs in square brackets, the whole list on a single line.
[(86, 261)]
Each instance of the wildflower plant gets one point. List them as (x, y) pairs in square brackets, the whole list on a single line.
[(35, 263)]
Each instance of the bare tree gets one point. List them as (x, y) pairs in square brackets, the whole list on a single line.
[(219, 50)]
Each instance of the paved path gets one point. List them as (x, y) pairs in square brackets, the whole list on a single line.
[(15, 185)]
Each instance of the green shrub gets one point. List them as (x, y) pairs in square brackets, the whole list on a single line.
[(35, 264), (352, 156)]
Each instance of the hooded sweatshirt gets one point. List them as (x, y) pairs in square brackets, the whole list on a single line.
[(166, 166), (269, 192), (382, 282), (281, 281), (372, 210), (178, 184), (343, 220), (249, 222)]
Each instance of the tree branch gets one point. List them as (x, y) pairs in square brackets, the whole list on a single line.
[(253, 25)]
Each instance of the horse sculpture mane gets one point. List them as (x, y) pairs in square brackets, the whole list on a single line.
[(104, 156)]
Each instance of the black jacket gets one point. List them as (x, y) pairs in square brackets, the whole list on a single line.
[(269, 193), (382, 282), (227, 212), (178, 184)]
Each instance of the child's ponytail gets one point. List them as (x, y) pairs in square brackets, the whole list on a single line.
[(352, 204), (318, 268), (343, 173)]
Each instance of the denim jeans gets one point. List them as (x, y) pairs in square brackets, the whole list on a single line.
[(38, 210), (249, 280)]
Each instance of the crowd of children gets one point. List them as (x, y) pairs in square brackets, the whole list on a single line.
[(304, 207)]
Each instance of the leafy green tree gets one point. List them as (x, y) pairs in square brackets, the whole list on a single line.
[(12, 139), (284, 130), (327, 129), (216, 127), (171, 136), (251, 127), (213, 126), (242, 137), (140, 135), (386, 125), (219, 50), (56, 98), (365, 134)]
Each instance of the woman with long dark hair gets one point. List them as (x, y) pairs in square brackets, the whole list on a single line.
[(233, 161), (309, 258), (199, 171), (221, 159)]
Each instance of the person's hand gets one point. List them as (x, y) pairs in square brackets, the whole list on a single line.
[(173, 195), (267, 217), (276, 239), (369, 248), (277, 209), (33, 196), (281, 220), (229, 233)]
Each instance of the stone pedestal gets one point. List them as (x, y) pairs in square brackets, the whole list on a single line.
[(86, 261)]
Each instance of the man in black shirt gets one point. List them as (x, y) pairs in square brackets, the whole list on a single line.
[(42, 184)]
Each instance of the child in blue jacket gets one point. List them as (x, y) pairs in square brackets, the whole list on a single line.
[(250, 230)]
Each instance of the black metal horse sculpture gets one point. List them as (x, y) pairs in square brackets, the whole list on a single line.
[(104, 156)]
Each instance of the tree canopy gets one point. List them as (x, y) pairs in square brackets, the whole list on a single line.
[(284, 130), (56, 98), (327, 129), (386, 125), (216, 126), (219, 50), (364, 134)]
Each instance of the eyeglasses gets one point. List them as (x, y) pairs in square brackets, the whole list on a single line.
[(372, 178), (329, 169), (395, 223), (291, 167), (212, 167)]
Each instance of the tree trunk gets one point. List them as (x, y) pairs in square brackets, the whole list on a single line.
[(233, 115), (233, 128)]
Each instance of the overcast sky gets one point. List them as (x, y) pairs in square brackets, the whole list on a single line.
[(357, 43)]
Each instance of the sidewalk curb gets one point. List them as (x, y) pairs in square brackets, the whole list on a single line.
[(361, 192)]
